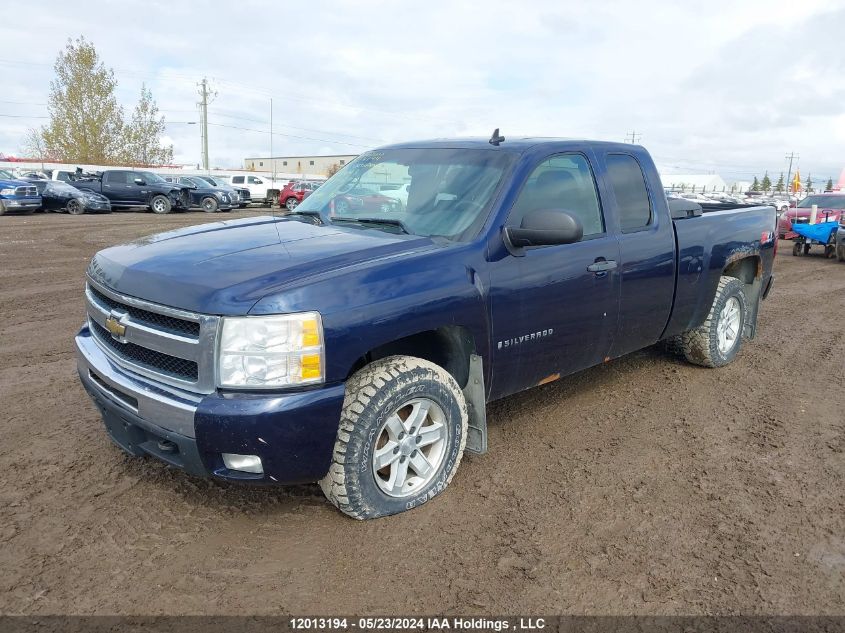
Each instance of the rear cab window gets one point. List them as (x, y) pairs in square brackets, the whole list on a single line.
[(627, 182)]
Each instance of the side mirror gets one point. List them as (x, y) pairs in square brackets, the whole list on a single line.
[(543, 228), (140, 181)]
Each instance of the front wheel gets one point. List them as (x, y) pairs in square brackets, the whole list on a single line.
[(840, 252), (796, 249), (291, 203), (210, 205), (160, 205), (717, 341), (74, 207), (402, 434)]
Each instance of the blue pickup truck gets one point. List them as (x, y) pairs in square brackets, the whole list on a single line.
[(17, 195), (357, 345)]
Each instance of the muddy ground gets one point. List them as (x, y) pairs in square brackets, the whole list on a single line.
[(643, 486)]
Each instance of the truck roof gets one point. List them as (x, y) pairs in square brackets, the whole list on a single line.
[(514, 145)]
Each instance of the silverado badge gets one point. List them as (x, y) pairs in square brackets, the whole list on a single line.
[(115, 327)]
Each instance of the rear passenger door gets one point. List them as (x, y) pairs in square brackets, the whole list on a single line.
[(115, 186), (647, 253)]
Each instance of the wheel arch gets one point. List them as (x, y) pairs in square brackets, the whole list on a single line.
[(748, 268), (449, 347)]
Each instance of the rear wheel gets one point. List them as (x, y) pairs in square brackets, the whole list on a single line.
[(160, 205), (717, 341), (840, 252), (807, 249), (210, 205), (2, 208), (796, 249), (291, 203), (402, 434), (74, 207)]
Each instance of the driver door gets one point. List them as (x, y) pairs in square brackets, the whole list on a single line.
[(555, 308)]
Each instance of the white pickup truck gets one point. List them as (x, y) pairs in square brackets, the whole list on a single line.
[(261, 188)]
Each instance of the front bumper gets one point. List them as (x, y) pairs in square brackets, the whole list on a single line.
[(22, 203), (293, 433)]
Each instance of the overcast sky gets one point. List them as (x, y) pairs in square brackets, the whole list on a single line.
[(724, 86)]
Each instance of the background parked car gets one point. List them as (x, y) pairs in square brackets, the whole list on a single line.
[(129, 188), (363, 199), (242, 196), (399, 193), (261, 188), (17, 195), (295, 192), (60, 196), (203, 195), (831, 207)]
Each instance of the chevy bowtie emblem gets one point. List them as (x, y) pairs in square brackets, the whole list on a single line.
[(115, 327)]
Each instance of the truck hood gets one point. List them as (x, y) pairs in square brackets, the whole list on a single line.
[(5, 183), (226, 267)]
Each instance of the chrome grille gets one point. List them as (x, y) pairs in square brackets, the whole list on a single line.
[(172, 346), (150, 359), (153, 319), (26, 192)]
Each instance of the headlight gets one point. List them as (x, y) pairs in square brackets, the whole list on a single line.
[(7, 192), (266, 352)]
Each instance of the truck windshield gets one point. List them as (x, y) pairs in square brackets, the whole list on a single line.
[(5, 174), (823, 202), (448, 191)]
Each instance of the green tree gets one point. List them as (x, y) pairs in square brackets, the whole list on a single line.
[(829, 185), (755, 186), (86, 121), (780, 185), (142, 142), (767, 182), (809, 184)]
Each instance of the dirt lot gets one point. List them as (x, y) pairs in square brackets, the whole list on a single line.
[(642, 486)]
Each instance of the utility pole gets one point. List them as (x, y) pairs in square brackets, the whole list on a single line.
[(272, 162), (204, 94), (791, 156), (633, 137)]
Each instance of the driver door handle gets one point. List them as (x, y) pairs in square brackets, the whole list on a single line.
[(602, 265)]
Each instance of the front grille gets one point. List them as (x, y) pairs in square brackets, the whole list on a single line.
[(149, 359), (152, 319), (26, 192)]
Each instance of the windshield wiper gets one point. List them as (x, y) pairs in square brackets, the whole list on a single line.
[(385, 221), (310, 214)]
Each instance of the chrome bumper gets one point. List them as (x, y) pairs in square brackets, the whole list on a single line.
[(158, 404)]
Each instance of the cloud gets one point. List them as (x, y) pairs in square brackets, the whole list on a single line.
[(718, 85)]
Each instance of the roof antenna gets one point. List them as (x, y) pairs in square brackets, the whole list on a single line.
[(496, 138)]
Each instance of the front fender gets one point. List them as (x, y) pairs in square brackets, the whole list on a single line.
[(368, 306)]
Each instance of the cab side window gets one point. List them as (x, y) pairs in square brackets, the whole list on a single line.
[(628, 184), (117, 177), (254, 181), (562, 182)]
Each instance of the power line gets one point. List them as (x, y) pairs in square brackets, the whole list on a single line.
[(304, 138)]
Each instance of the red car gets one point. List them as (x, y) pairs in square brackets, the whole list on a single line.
[(295, 192), (362, 199), (831, 208)]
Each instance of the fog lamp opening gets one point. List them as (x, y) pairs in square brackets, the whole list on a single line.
[(243, 463)]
